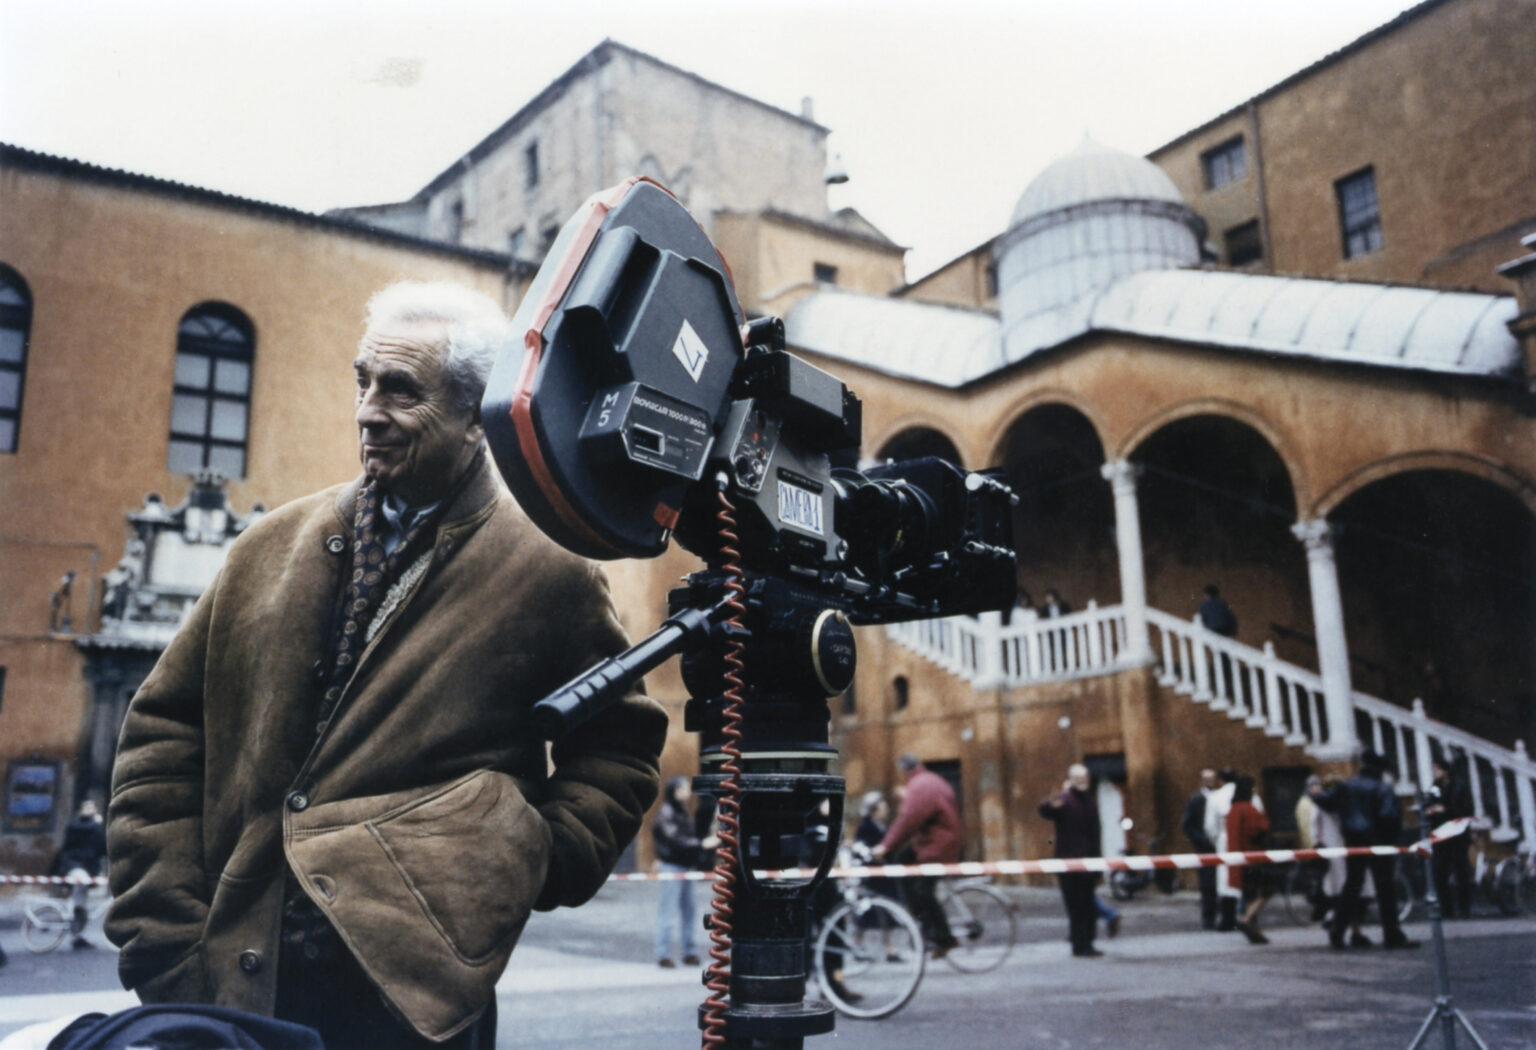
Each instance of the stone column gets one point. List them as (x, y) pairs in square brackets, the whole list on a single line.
[(1332, 649), (1122, 474)]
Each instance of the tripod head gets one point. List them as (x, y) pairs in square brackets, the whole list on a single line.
[(642, 408)]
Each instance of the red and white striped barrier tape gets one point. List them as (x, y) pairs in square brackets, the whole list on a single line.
[(1085, 865), (1078, 865)]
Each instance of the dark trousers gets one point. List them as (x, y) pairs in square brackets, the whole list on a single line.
[(320, 984), (923, 903), (1453, 862), (1207, 880), (1082, 916), (1349, 910)]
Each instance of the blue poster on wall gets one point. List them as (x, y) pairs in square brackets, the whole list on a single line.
[(31, 795)]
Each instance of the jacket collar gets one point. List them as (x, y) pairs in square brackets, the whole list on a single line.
[(473, 501)]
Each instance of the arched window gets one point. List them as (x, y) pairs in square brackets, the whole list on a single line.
[(210, 409), (15, 324)]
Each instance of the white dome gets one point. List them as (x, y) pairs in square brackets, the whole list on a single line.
[(1086, 221), (1093, 172)]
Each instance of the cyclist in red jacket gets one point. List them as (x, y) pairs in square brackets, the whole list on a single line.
[(929, 819)]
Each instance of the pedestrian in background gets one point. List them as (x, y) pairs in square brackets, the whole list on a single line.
[(1216, 615), (1054, 605), (874, 821), (1248, 829), (1193, 825), (79, 860), (1369, 815), (1023, 608), (1326, 833), (1447, 799), (678, 850), (1075, 812), (1216, 807)]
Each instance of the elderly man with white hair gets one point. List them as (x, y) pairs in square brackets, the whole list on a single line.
[(328, 804)]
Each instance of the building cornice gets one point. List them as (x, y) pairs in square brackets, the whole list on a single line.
[(30, 160), (830, 229)]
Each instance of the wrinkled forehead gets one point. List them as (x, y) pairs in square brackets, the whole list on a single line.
[(420, 347)]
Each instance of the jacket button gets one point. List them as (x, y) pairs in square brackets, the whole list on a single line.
[(250, 961), (298, 801), (335, 544)]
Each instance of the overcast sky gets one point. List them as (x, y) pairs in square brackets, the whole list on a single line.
[(942, 110)]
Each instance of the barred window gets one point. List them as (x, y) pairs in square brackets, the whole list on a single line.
[(210, 406), (1359, 213), (15, 327), (1225, 163)]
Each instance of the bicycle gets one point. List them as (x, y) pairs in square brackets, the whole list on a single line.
[(869, 955), (1501, 879), (1125, 884), (868, 952), (46, 920), (982, 920)]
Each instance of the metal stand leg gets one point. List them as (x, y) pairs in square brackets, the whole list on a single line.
[(1448, 1016)]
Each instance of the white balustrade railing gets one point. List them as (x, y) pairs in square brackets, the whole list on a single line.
[(990, 653), (1502, 780), (1248, 684)]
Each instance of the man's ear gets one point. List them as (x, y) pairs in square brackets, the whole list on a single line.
[(476, 432)]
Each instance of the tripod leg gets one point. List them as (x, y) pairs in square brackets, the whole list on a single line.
[(1429, 1022), (1471, 1032)]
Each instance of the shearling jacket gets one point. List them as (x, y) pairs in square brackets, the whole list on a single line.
[(419, 817)]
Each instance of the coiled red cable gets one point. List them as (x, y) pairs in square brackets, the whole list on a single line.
[(722, 904)]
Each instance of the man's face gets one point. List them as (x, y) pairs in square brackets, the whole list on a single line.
[(1078, 777), (1208, 779), (411, 439)]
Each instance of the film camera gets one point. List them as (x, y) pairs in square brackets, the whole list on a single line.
[(641, 408)]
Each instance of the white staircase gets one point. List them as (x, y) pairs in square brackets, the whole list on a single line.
[(1252, 685)]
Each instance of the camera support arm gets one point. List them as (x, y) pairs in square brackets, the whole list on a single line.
[(585, 696)]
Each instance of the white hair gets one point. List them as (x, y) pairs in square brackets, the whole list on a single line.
[(477, 326)]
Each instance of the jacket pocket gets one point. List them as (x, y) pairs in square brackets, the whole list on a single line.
[(473, 857)]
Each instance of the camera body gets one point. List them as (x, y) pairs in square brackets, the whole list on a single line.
[(639, 393)]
